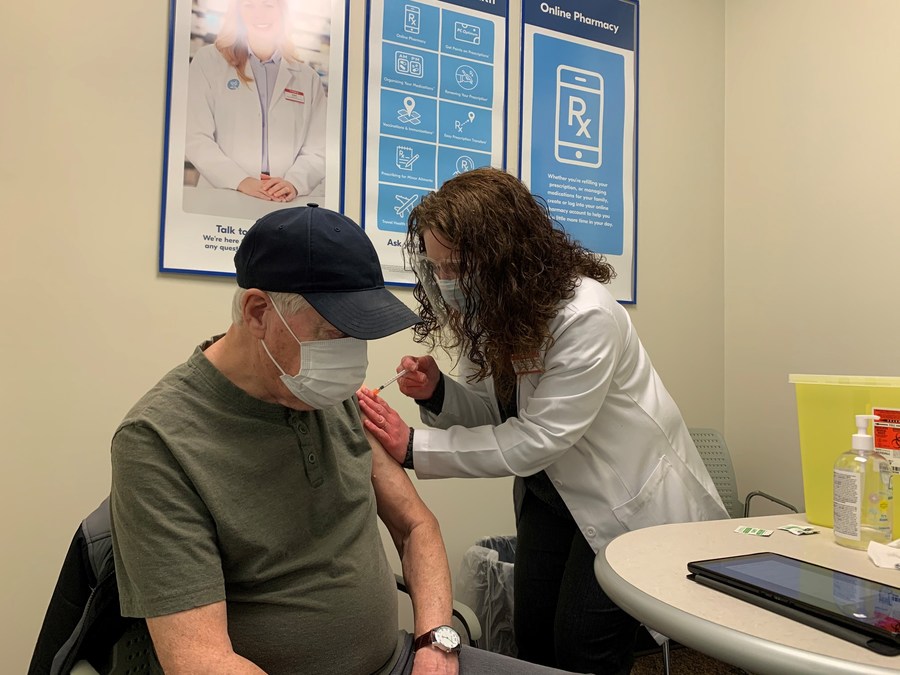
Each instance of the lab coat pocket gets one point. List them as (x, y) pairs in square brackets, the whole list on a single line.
[(651, 504)]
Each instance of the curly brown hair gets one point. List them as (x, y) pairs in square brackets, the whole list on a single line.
[(512, 260)]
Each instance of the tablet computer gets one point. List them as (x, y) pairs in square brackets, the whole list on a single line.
[(863, 611)]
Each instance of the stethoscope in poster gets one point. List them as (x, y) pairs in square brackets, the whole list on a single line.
[(435, 106), (579, 71), (254, 121)]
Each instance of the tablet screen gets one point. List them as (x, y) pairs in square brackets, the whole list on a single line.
[(835, 595)]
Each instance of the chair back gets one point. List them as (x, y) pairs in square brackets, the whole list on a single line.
[(714, 454), (133, 654)]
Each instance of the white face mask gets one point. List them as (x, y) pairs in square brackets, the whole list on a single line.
[(452, 293), (330, 370)]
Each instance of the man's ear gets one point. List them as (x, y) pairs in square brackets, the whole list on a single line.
[(253, 308)]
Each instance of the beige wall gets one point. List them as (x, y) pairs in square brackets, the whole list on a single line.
[(90, 324), (811, 217)]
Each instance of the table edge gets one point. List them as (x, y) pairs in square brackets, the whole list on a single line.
[(727, 644)]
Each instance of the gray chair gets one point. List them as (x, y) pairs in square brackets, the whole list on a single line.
[(714, 453), (711, 446), (132, 654), (463, 616)]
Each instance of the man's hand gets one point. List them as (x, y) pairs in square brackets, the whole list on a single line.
[(430, 660), (421, 378), (384, 423)]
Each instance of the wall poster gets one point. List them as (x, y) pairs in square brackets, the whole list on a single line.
[(254, 121), (579, 123), (435, 106)]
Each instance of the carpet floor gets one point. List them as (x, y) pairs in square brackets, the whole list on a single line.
[(683, 661)]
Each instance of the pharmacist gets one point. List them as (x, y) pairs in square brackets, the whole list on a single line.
[(554, 388)]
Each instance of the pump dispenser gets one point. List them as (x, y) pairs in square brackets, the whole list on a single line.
[(862, 492)]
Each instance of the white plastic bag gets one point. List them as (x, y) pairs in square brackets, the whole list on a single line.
[(485, 584)]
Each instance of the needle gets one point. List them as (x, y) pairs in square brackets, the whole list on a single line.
[(390, 381)]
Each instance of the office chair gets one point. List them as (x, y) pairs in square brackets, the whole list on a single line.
[(462, 614), (132, 654), (714, 453), (711, 446)]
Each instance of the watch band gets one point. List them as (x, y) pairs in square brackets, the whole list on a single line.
[(424, 640), (444, 638)]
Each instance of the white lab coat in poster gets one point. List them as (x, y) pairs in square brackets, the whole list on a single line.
[(224, 124)]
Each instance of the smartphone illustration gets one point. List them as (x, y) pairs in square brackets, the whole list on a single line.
[(411, 15), (579, 117)]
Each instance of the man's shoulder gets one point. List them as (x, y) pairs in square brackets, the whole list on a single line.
[(166, 397)]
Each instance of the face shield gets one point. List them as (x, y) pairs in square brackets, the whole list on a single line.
[(425, 273)]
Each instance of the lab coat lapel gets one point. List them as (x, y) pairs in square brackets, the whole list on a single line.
[(281, 82), (282, 121)]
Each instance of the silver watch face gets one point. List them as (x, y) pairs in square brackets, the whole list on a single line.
[(446, 638)]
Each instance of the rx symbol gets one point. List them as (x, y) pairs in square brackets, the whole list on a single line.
[(577, 108)]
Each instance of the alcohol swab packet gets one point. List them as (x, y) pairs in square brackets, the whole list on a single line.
[(756, 531), (799, 529)]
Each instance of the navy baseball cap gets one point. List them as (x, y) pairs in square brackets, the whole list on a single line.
[(327, 258)]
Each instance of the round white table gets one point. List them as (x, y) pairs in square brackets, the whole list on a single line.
[(645, 573)]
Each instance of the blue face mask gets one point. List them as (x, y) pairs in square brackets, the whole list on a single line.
[(452, 294)]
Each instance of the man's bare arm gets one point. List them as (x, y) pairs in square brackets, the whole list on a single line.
[(196, 641), (417, 536)]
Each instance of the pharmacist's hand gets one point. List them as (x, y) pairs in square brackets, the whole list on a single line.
[(422, 376), (254, 188), (384, 423), (279, 189)]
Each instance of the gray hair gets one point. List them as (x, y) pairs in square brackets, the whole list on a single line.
[(288, 303)]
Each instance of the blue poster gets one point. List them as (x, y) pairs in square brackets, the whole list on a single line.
[(579, 83), (583, 157), (435, 107)]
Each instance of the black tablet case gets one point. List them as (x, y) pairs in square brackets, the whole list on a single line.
[(797, 614)]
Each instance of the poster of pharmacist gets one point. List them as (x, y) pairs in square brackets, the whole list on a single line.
[(255, 105)]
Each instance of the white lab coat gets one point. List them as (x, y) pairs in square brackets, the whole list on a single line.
[(598, 420), (224, 124)]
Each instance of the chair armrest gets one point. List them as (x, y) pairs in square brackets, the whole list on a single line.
[(757, 493), (463, 614), (470, 622)]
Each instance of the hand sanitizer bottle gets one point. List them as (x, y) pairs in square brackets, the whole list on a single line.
[(862, 492)]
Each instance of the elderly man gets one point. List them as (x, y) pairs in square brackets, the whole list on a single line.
[(245, 491)]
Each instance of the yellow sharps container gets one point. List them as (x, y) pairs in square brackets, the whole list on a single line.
[(827, 406)]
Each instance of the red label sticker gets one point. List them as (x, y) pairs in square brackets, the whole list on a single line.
[(294, 95), (886, 429)]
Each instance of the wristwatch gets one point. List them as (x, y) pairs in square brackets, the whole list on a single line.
[(443, 637)]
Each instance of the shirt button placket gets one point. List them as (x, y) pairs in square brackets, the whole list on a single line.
[(310, 460)]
